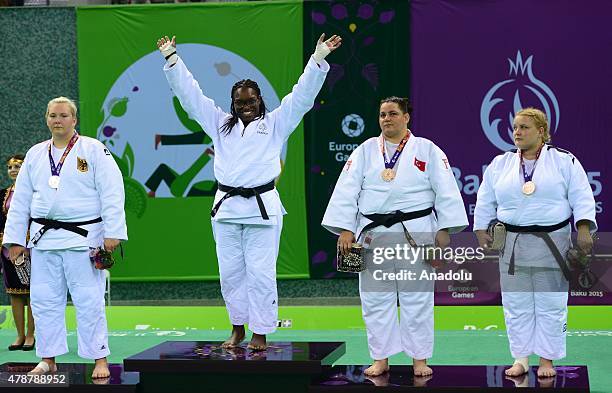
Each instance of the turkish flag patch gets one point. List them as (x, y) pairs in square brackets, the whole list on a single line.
[(347, 166), (420, 164)]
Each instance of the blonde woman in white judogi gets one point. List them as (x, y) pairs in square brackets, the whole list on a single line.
[(535, 190), (420, 180), (68, 179)]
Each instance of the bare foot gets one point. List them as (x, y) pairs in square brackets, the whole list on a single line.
[(546, 368), (46, 366), (546, 382), (258, 342), (236, 337), (516, 370), (420, 368), (377, 368), (421, 382), (236, 352), (380, 380), (521, 381), (101, 381), (101, 369)]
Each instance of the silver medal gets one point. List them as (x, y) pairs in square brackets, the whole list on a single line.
[(54, 181)]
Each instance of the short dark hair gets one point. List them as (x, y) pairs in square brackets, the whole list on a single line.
[(403, 103)]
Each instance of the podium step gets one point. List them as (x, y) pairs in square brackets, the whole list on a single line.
[(182, 366), (462, 379), (72, 378)]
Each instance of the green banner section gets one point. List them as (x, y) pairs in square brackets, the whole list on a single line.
[(372, 63), (580, 318), (165, 157)]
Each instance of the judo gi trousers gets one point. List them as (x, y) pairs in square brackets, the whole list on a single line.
[(247, 268), (414, 332), (535, 310), (54, 272)]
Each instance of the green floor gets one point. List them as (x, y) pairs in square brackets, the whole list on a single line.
[(133, 329)]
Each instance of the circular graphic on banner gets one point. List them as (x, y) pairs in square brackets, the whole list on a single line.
[(509, 96), (352, 125), (159, 149)]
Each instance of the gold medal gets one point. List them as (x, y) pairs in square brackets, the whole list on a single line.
[(529, 188), (388, 174)]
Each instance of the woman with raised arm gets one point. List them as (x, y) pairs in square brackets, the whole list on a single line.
[(247, 215)]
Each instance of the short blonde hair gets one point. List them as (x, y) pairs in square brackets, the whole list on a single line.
[(63, 100), (539, 119)]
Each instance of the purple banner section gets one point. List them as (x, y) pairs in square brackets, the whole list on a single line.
[(474, 64), (590, 286), (479, 284)]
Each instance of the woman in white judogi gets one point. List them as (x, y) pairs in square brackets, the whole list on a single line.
[(378, 180), (535, 191), (247, 212), (69, 194)]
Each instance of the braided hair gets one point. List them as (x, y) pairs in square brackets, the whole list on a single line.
[(232, 121), (403, 103)]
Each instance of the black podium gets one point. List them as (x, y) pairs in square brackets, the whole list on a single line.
[(78, 379), (292, 367), (473, 379), (189, 366)]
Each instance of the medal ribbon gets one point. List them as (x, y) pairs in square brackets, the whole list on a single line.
[(55, 169), (528, 177), (398, 151)]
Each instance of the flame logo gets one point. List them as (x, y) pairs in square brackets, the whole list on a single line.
[(506, 98)]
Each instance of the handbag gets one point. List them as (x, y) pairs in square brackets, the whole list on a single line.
[(581, 261), (23, 268), (101, 258), (353, 262), (497, 231)]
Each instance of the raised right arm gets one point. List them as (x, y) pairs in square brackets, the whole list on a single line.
[(199, 107)]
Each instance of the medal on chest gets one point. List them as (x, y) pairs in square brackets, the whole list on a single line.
[(529, 186), (54, 179), (388, 174)]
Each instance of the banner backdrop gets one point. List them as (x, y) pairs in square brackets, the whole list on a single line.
[(474, 64), (372, 63), (165, 157)]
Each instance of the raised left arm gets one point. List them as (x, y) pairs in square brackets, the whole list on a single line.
[(301, 99)]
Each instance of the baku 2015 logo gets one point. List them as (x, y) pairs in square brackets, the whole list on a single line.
[(507, 97)]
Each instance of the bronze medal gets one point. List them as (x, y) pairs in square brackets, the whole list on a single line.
[(529, 188), (387, 174)]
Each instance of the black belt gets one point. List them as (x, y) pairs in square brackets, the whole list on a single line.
[(245, 193), (54, 224), (388, 220), (542, 232)]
